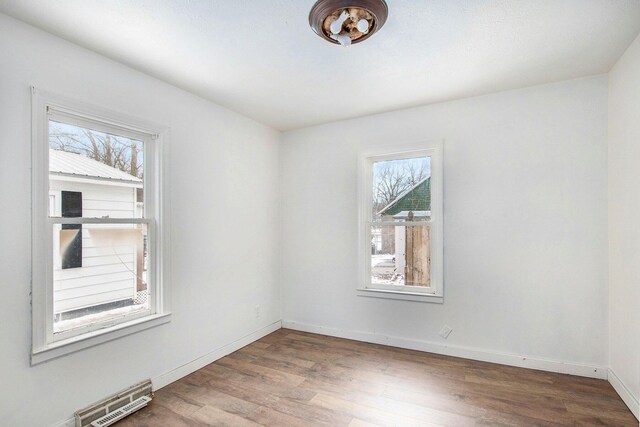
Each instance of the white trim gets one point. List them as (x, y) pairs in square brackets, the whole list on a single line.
[(40, 311), (625, 394), (434, 150), (88, 220), (90, 339), (202, 361), (401, 289), (71, 422), (399, 295), (82, 113), (399, 223), (455, 351)]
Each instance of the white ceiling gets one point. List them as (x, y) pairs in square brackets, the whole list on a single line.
[(261, 59)]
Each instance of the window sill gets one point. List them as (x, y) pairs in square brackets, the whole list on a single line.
[(397, 295), (90, 339)]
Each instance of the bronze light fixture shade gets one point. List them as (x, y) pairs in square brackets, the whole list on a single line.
[(355, 20)]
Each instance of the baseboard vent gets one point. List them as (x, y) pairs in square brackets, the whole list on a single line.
[(119, 414), (116, 407)]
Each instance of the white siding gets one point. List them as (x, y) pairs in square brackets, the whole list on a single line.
[(108, 270), (99, 199)]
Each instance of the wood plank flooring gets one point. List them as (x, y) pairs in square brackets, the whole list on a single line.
[(292, 378)]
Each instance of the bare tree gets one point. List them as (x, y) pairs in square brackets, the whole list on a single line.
[(414, 174), (391, 181), (118, 152)]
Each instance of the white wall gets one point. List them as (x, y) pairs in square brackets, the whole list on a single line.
[(224, 227), (525, 224), (624, 231)]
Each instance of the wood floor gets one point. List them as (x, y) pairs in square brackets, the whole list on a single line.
[(292, 378)]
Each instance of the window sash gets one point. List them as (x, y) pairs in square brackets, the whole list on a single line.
[(151, 156), (434, 151), (401, 223), (151, 283), (103, 324), (404, 288), (87, 220)]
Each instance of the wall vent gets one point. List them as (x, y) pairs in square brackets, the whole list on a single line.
[(119, 414), (116, 407)]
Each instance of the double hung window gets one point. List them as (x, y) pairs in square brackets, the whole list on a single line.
[(98, 226), (401, 223)]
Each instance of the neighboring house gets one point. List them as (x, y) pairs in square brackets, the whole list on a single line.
[(96, 265), (407, 243)]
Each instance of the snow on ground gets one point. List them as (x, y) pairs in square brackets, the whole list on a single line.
[(383, 270)]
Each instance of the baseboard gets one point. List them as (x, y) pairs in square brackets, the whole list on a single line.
[(430, 347), (188, 368), (625, 394), (455, 351), (71, 422)]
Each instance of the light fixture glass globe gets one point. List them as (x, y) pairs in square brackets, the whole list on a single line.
[(363, 26), (344, 40), (336, 26)]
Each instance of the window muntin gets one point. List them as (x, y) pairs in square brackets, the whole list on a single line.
[(402, 222)]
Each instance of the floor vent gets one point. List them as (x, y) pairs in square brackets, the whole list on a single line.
[(116, 407), (119, 414)]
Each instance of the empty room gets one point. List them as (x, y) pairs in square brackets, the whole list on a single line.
[(319, 213)]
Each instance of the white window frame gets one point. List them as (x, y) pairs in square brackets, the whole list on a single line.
[(45, 344), (435, 292)]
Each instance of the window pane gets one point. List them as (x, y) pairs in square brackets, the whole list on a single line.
[(401, 255), (402, 189), (71, 234), (111, 280), (71, 246), (105, 170)]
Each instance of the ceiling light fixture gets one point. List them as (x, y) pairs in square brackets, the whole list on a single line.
[(346, 22)]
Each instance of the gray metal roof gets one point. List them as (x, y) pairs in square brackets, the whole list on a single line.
[(72, 164)]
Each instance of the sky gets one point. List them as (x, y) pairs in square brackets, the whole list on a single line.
[(77, 133)]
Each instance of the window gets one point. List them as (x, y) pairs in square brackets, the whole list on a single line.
[(99, 234), (401, 224)]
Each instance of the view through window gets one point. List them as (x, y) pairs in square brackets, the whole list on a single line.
[(100, 269), (400, 226)]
